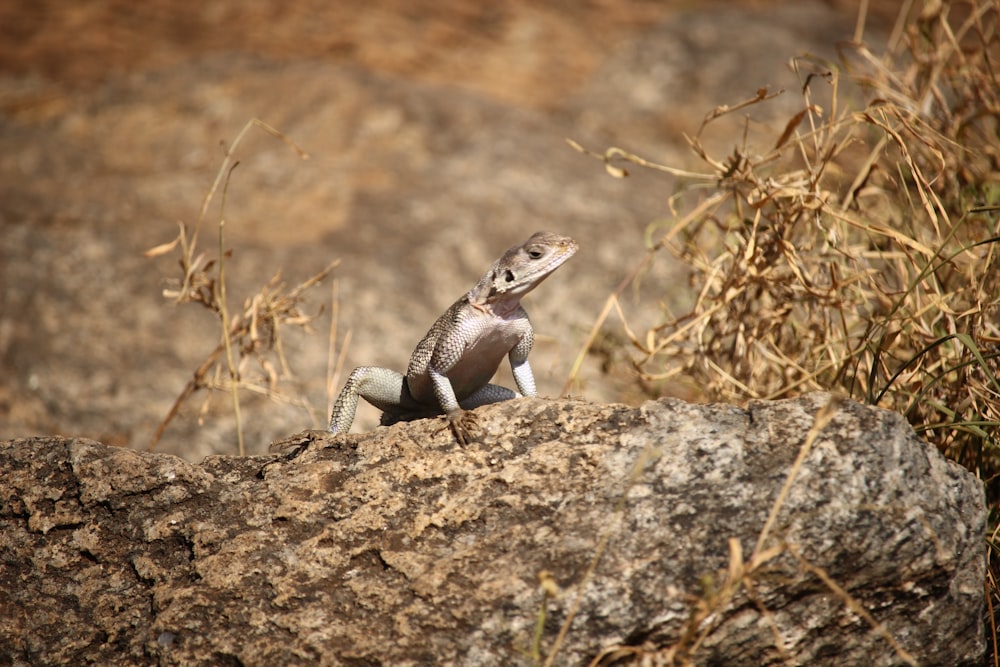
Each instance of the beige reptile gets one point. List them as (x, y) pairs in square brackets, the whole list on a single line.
[(451, 368)]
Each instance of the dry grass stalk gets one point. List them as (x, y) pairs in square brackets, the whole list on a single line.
[(856, 251), (254, 333), (731, 588)]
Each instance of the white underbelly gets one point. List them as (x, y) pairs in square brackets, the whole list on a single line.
[(482, 359)]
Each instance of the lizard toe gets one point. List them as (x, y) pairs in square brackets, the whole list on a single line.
[(462, 424)]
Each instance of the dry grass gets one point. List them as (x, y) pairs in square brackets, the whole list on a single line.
[(254, 333), (856, 250)]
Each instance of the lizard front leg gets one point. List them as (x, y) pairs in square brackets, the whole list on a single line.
[(382, 387), (519, 366), (460, 421)]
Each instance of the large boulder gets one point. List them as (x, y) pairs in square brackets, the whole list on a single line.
[(791, 532)]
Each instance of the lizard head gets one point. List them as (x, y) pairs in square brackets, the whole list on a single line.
[(522, 268)]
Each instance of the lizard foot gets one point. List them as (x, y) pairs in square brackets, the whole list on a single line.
[(462, 424)]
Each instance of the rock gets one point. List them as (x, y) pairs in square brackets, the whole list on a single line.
[(400, 547)]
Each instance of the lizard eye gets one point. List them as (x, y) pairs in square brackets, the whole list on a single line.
[(535, 253), (509, 277)]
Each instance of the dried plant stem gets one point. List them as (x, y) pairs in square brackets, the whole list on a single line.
[(640, 266), (196, 382), (647, 457), (335, 360), (853, 605), (234, 389), (223, 172), (254, 332), (820, 421)]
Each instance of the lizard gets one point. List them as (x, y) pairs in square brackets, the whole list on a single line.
[(451, 368)]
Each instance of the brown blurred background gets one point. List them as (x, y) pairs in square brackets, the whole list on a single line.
[(436, 134)]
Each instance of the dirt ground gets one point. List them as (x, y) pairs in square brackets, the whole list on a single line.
[(436, 139)]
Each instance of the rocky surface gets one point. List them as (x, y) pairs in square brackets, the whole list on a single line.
[(436, 131), (399, 547)]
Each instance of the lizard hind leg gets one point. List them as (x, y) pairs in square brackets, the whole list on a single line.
[(490, 393), (382, 387)]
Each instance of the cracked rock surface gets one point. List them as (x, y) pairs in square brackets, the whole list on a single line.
[(400, 547)]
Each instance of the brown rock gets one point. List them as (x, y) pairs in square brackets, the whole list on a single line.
[(399, 547)]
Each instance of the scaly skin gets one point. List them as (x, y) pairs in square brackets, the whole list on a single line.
[(451, 368)]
